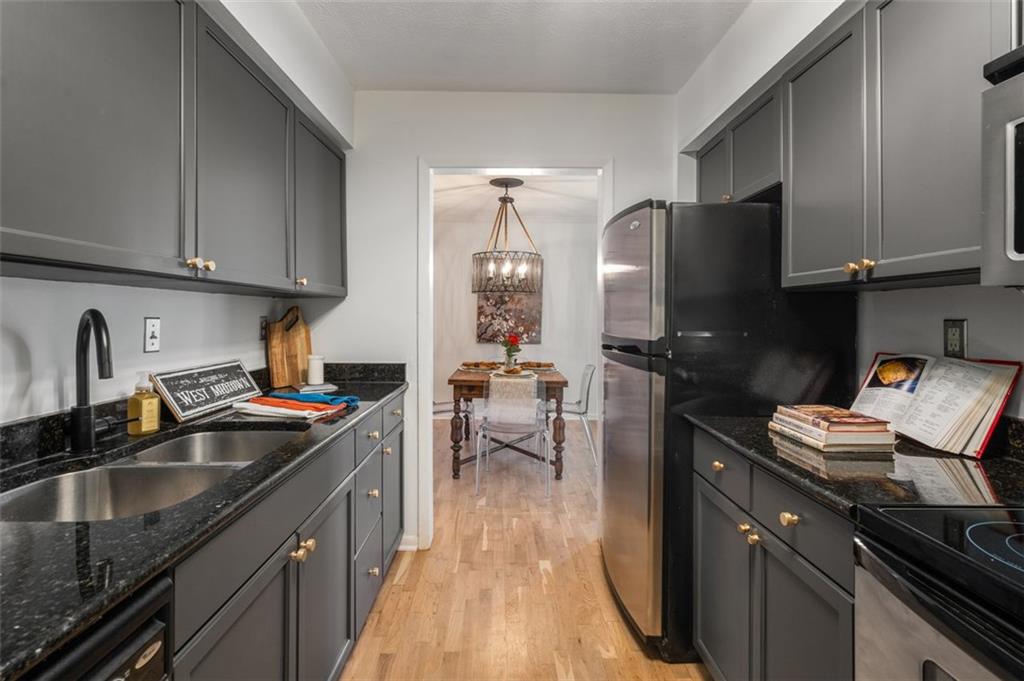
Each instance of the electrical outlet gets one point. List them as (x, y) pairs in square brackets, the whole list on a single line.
[(954, 337), (263, 327), (151, 334)]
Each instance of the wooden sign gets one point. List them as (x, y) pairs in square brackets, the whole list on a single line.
[(193, 392)]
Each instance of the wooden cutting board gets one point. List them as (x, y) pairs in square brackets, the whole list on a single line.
[(288, 349)]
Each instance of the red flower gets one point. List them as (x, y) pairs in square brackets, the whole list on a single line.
[(513, 339)]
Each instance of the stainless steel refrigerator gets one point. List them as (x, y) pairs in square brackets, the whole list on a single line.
[(695, 323)]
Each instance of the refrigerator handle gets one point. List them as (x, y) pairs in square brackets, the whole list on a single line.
[(642, 362)]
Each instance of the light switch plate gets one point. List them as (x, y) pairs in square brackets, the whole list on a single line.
[(151, 335), (954, 337)]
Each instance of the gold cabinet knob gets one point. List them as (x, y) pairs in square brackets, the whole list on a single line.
[(717, 466), (866, 265), (195, 263), (851, 268), (726, 198), (309, 544), (375, 493), (387, 451), (299, 555), (787, 519), (753, 539), (743, 528), (302, 281), (209, 265), (397, 412), (373, 435), (374, 572)]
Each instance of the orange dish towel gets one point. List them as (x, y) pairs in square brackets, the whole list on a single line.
[(296, 405)]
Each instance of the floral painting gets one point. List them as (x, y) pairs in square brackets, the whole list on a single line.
[(499, 314)]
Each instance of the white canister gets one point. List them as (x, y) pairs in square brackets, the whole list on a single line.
[(315, 370)]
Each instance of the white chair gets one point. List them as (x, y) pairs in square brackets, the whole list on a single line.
[(581, 406), (513, 406)]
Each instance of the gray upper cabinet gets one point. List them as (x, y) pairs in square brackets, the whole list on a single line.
[(243, 120), (823, 161), (319, 212), (713, 182), (924, 99), (91, 138), (756, 147)]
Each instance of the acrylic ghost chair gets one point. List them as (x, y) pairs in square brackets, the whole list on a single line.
[(580, 407), (513, 406)]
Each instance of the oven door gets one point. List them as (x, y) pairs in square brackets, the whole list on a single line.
[(1003, 184)]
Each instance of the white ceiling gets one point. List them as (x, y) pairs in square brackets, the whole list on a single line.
[(543, 199), (638, 47)]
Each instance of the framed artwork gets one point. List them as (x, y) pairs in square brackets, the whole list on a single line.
[(499, 314)]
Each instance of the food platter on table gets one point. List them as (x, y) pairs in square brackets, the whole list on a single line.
[(538, 366), (482, 366), (517, 372)]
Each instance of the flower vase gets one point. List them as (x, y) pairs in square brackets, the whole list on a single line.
[(510, 361)]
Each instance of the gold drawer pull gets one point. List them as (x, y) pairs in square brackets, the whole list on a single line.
[(210, 265), (717, 466), (396, 412), (743, 528), (851, 268), (866, 265), (374, 572), (194, 263), (387, 451), (300, 555), (309, 544), (375, 493), (753, 539), (373, 435), (787, 519), (302, 281)]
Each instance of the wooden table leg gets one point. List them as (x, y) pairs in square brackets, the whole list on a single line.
[(558, 436), (457, 427)]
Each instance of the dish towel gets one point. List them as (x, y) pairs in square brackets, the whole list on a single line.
[(279, 412), (300, 406), (319, 398)]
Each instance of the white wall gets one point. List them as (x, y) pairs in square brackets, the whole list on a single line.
[(911, 321), (39, 320), (571, 316)]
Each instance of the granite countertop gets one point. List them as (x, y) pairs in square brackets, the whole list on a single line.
[(57, 578), (919, 476)]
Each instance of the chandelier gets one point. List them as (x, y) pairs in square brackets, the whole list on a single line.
[(502, 270)]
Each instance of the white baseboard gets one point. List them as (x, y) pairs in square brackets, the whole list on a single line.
[(410, 542)]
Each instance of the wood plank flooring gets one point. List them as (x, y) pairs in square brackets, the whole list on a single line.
[(513, 587)]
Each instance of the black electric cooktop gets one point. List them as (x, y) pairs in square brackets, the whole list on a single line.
[(978, 549)]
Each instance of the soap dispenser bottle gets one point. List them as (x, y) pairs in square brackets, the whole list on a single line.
[(143, 408)]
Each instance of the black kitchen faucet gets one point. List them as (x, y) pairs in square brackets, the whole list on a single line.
[(83, 417)]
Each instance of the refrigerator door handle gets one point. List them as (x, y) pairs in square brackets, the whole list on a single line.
[(655, 365)]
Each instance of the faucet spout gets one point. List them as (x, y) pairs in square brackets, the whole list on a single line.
[(83, 417)]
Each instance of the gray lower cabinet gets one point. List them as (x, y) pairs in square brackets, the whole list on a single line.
[(723, 563), (924, 182), (90, 142), (243, 120), (369, 575), (392, 461), (319, 212), (253, 637), (713, 180), (823, 161)]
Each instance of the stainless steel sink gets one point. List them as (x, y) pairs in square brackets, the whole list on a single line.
[(109, 492), (220, 446)]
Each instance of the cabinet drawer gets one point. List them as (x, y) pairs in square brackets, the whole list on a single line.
[(822, 536), (391, 490), (205, 580), (369, 497), (369, 576), (368, 435), (392, 413), (727, 470)]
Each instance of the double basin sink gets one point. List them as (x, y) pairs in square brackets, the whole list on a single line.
[(150, 480)]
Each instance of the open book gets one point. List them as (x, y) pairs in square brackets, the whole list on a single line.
[(944, 403)]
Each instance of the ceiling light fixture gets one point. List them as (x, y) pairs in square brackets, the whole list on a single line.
[(502, 270)]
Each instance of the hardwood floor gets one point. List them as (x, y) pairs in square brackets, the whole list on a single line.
[(513, 587)]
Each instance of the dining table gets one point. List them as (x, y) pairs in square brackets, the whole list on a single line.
[(468, 384)]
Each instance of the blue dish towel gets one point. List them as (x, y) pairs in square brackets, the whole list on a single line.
[(319, 398)]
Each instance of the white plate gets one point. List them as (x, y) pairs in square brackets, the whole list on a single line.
[(524, 374)]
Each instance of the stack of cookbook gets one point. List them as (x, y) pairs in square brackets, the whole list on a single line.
[(832, 442)]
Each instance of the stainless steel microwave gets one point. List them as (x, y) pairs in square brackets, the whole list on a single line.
[(1003, 183)]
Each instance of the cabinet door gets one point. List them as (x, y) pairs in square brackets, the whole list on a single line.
[(713, 171), (243, 219), (90, 143), (722, 562), (391, 490), (924, 185), (756, 144), (802, 621), (325, 588), (823, 161), (369, 576), (253, 636), (319, 212)]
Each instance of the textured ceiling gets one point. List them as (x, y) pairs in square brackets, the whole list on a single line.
[(639, 47), (549, 198)]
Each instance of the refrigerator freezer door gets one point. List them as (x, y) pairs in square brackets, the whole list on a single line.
[(631, 543), (633, 269)]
